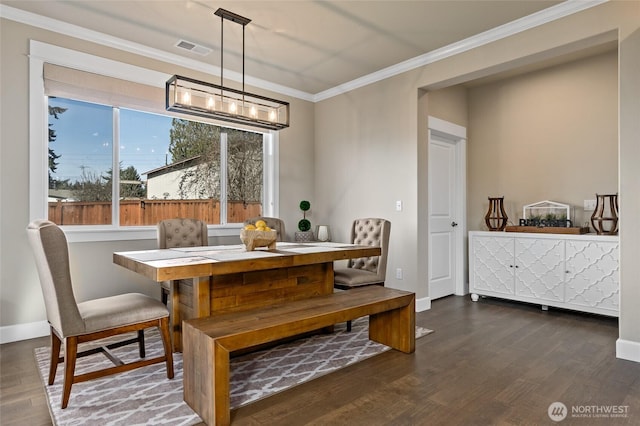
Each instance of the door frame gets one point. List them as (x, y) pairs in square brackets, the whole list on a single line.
[(458, 135)]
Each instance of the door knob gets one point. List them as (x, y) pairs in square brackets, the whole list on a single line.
[(454, 224)]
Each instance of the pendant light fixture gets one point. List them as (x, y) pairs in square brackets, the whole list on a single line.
[(194, 97)]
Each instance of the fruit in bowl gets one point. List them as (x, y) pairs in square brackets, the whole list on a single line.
[(258, 235)]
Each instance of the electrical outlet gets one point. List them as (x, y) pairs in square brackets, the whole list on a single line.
[(399, 206), (399, 273), (589, 204)]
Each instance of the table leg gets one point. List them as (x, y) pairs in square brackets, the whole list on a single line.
[(176, 319), (328, 279), (192, 300), (201, 301), (328, 289)]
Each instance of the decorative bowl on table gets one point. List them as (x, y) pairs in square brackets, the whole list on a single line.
[(254, 238)]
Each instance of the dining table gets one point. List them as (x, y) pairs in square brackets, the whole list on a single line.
[(227, 278)]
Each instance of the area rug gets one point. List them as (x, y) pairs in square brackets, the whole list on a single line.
[(146, 397)]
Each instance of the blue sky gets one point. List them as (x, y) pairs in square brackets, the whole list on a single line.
[(84, 139)]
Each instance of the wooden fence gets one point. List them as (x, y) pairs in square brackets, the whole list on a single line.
[(148, 212)]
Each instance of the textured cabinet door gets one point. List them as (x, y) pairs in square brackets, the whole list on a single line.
[(493, 265), (539, 269), (592, 276)]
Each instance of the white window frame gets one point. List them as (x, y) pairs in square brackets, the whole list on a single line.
[(39, 53)]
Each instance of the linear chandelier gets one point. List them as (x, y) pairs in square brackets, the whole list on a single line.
[(194, 97)]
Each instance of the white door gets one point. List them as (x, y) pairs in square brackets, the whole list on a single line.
[(446, 206)]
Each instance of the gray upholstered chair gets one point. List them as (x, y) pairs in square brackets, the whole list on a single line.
[(180, 233), (74, 323), (274, 223), (365, 270)]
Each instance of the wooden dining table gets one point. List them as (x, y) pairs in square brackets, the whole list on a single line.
[(229, 278)]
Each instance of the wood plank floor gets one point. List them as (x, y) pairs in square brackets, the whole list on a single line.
[(488, 363)]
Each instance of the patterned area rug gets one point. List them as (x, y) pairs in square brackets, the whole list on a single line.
[(146, 397)]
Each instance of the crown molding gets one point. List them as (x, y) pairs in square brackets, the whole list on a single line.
[(542, 17)]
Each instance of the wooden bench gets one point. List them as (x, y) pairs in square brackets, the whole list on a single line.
[(208, 342)]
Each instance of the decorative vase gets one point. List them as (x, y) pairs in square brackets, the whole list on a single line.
[(496, 218), (605, 217), (322, 233)]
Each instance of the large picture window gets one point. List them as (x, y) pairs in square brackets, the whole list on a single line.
[(118, 110), (155, 166)]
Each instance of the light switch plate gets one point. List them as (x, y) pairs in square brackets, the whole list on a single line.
[(399, 206)]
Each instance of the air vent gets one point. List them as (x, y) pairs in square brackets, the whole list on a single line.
[(192, 47)]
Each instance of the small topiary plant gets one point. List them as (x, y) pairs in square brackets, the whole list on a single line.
[(304, 225)]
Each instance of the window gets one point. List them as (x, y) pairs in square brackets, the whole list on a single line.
[(80, 161), (163, 166), (108, 82)]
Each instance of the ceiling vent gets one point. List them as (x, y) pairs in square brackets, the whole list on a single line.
[(192, 47)]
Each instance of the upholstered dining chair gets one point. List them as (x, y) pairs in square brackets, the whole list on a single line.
[(180, 233), (366, 270), (274, 223), (74, 323)]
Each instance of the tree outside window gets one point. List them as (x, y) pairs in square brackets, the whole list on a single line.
[(168, 167)]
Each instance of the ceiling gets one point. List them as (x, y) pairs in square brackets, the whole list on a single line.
[(306, 45)]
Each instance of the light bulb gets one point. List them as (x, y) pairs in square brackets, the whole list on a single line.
[(232, 108), (186, 97), (211, 103), (272, 115), (253, 111)]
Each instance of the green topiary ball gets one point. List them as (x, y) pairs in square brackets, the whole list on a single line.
[(305, 205), (304, 225)]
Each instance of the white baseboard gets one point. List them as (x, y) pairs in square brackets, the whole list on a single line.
[(31, 330), (627, 349), (423, 304)]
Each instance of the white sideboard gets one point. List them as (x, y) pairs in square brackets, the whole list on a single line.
[(579, 272)]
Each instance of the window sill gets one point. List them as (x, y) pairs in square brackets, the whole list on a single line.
[(86, 233)]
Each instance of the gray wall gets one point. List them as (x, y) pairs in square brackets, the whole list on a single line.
[(93, 271), (351, 155), (547, 135), (373, 139)]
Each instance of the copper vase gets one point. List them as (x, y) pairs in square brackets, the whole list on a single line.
[(605, 217), (496, 218)]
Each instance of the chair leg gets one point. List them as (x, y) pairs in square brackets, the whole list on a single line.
[(141, 343), (166, 343), (349, 325), (164, 295), (70, 351), (55, 354)]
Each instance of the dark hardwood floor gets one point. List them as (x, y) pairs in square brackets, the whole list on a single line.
[(488, 363)]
